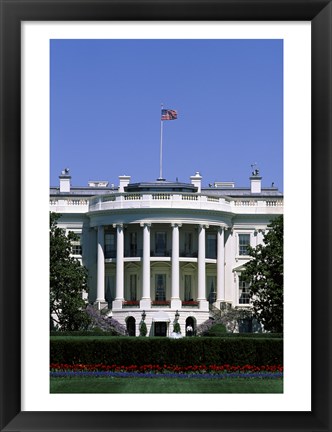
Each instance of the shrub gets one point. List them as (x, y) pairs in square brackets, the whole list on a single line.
[(88, 333), (176, 328), (143, 329), (217, 330), (161, 350), (100, 322), (204, 328)]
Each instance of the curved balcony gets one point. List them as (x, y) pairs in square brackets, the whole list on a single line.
[(192, 201)]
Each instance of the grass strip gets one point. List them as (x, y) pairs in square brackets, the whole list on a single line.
[(164, 385)]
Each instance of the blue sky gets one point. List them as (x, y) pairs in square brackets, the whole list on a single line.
[(106, 98)]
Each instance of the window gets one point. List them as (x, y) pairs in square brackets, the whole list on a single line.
[(110, 288), (244, 242), (244, 295), (211, 247), (160, 287), (211, 285), (133, 287), (76, 245), (110, 246), (187, 288), (160, 245), (133, 244), (188, 243)]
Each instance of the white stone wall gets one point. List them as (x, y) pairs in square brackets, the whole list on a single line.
[(235, 216)]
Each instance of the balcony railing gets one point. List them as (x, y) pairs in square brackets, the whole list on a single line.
[(185, 201)]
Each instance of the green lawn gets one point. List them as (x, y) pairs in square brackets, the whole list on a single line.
[(164, 385)]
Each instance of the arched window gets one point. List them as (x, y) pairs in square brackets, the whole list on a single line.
[(131, 326)]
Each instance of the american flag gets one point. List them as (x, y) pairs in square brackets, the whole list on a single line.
[(167, 114)]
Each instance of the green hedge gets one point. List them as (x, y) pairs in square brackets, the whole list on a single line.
[(93, 333), (183, 352), (244, 335), (212, 332)]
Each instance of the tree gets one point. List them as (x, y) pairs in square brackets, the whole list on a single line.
[(265, 273), (68, 279)]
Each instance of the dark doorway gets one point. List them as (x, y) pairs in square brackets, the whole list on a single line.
[(245, 325), (190, 326), (160, 328), (131, 326)]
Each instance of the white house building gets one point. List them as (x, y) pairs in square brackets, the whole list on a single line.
[(165, 250)]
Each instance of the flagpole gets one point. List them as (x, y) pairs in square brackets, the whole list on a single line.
[(161, 146)]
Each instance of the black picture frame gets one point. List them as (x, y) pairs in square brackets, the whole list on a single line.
[(319, 12)]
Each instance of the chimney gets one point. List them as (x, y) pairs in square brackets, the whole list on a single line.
[(124, 181), (255, 182), (65, 180), (196, 180)]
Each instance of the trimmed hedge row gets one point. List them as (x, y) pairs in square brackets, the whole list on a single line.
[(159, 351), (94, 333), (212, 333)]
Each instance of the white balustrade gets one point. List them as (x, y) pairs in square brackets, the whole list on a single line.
[(161, 196), (172, 200)]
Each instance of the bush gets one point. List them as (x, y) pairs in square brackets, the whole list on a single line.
[(90, 333), (101, 322), (216, 330), (176, 328), (143, 329), (159, 351)]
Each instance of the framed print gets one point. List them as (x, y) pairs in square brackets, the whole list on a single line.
[(26, 402)]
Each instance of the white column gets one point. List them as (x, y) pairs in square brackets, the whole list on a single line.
[(230, 253), (203, 303), (117, 303), (220, 265), (145, 302), (175, 297), (100, 266)]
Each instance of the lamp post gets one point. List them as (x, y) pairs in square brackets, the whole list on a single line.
[(177, 315), (143, 315)]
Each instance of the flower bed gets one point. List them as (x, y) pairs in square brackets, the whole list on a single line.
[(130, 303), (190, 303), (160, 302), (152, 371)]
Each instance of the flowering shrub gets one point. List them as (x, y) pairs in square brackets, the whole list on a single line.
[(104, 323), (204, 327)]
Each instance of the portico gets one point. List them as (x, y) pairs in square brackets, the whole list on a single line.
[(160, 262)]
